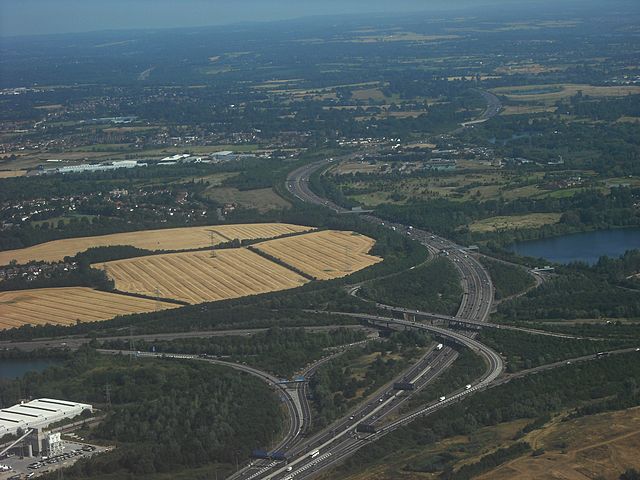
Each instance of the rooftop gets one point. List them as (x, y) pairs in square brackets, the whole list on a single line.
[(38, 413)]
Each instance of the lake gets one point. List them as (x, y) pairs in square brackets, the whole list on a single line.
[(10, 369), (586, 247)]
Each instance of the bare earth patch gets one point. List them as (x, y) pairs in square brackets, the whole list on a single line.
[(598, 446)]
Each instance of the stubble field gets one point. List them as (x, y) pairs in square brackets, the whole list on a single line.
[(193, 276), (197, 277), (66, 306), (324, 255), (167, 239)]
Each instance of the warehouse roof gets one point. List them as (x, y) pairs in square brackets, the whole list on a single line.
[(38, 413)]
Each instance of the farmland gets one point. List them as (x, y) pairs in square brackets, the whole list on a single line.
[(531, 220), (169, 239), (549, 94), (262, 199), (197, 277), (66, 306), (207, 276), (323, 255)]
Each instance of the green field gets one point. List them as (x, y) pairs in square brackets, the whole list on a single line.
[(262, 199), (531, 220)]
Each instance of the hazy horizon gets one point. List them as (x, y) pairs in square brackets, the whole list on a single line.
[(35, 17)]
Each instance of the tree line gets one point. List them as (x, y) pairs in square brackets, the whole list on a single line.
[(163, 416)]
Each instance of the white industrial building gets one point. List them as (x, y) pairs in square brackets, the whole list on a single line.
[(38, 414), (100, 167)]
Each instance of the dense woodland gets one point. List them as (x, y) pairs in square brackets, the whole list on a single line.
[(434, 287), (508, 280), (281, 351), (572, 295), (524, 351), (165, 415)]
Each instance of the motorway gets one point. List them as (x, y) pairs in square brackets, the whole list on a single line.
[(342, 438), (301, 390), (493, 108), (76, 341)]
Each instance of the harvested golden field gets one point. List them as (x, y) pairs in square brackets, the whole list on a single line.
[(167, 239), (66, 306), (324, 255), (197, 277)]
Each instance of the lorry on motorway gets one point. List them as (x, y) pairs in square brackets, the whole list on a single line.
[(314, 454), (439, 347), (404, 386)]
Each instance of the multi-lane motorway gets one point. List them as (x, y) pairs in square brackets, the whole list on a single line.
[(73, 342), (343, 438), (493, 108)]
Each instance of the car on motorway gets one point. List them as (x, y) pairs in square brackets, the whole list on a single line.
[(442, 398)]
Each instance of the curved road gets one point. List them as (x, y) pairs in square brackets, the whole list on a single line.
[(296, 414), (339, 442)]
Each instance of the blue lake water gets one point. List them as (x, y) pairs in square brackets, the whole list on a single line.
[(12, 369), (586, 247)]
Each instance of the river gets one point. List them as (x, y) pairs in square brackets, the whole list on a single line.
[(585, 247)]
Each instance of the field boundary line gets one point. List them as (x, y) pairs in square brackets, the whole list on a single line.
[(280, 262)]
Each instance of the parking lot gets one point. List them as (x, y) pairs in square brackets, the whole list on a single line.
[(32, 467)]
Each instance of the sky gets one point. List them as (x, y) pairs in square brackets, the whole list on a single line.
[(30, 17)]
